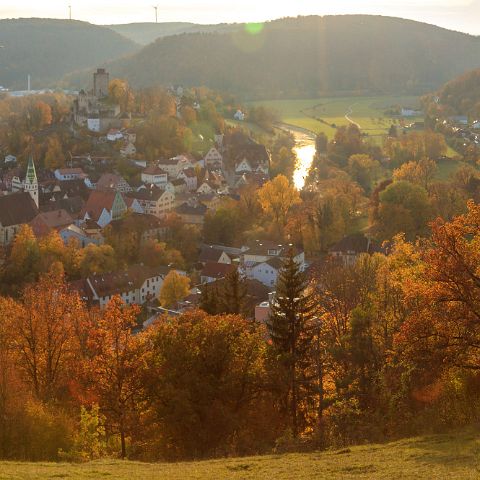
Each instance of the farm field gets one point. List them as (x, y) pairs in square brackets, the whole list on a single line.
[(438, 457), (320, 114)]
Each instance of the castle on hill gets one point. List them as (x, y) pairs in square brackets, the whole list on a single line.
[(93, 109)]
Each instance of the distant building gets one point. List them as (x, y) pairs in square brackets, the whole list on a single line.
[(114, 182), (16, 210), (103, 206), (350, 247), (28, 184), (192, 211), (239, 115), (136, 285), (80, 235), (154, 201), (101, 80), (45, 222), (213, 158), (64, 174), (154, 175), (92, 110)]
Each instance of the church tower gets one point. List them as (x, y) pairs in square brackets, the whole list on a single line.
[(31, 182)]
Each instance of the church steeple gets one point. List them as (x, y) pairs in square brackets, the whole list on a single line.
[(31, 182)]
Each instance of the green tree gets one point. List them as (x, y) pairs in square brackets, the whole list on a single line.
[(403, 208), (232, 296), (203, 378), (290, 326)]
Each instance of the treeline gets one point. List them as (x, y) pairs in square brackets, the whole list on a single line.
[(384, 347), (48, 49), (460, 96), (302, 56)]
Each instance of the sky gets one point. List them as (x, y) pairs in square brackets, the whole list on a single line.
[(461, 15)]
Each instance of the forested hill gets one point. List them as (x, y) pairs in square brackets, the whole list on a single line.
[(308, 55), (460, 96), (145, 33), (48, 49)]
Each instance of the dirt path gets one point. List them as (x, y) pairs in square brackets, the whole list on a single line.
[(349, 112)]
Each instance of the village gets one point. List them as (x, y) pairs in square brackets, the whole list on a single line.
[(88, 199)]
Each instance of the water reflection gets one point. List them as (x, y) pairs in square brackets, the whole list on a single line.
[(305, 151)]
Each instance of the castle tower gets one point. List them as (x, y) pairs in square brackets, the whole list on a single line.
[(31, 182), (101, 79)]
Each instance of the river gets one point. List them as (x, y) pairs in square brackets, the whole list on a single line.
[(305, 152)]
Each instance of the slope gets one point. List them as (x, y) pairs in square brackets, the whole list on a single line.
[(48, 49), (439, 457), (145, 33), (308, 56)]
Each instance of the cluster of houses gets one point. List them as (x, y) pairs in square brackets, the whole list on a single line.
[(89, 196)]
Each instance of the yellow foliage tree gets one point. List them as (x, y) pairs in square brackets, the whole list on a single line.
[(174, 288), (277, 197)]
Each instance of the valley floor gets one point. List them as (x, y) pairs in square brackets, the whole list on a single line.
[(453, 456)]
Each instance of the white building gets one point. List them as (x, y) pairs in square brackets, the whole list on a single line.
[(136, 285), (154, 175), (239, 115), (64, 174)]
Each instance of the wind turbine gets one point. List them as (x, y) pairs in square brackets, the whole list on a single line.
[(70, 12), (155, 7)]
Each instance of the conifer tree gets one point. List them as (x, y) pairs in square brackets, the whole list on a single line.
[(209, 298), (233, 295), (291, 329)]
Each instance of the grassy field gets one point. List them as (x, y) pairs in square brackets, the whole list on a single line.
[(318, 115), (438, 457)]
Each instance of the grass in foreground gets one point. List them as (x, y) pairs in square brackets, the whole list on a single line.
[(453, 457)]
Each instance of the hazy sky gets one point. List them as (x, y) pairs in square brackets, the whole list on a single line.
[(463, 15)]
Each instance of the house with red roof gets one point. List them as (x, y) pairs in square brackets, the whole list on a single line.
[(103, 206)]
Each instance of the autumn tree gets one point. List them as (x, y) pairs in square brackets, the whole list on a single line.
[(23, 262), (43, 323), (404, 208), (97, 259), (421, 172), (364, 170), (277, 197), (204, 385), (174, 288), (443, 324), (116, 365), (54, 157), (120, 92), (155, 254)]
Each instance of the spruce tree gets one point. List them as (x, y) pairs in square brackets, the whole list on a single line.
[(291, 328), (209, 299), (232, 299)]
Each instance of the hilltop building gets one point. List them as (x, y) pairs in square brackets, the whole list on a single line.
[(92, 109)]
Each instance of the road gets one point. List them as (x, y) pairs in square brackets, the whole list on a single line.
[(349, 112)]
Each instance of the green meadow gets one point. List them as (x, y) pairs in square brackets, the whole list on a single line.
[(452, 457), (323, 114)]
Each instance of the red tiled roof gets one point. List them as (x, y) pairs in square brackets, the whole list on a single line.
[(46, 221), (216, 270), (154, 170), (97, 201), (109, 180)]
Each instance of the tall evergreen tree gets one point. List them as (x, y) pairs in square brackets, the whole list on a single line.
[(291, 327), (233, 295), (209, 298)]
